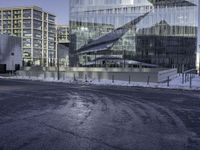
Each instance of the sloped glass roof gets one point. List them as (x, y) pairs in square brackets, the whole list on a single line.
[(106, 42), (178, 3)]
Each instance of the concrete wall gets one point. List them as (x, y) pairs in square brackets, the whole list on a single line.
[(8, 45), (63, 53), (134, 75)]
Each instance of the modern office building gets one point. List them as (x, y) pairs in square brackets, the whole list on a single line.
[(160, 33), (10, 53), (37, 30)]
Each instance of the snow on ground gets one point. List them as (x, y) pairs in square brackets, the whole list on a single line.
[(175, 83)]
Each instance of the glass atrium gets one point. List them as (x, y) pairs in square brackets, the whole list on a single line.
[(117, 33)]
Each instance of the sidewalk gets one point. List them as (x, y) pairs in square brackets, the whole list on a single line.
[(5, 75)]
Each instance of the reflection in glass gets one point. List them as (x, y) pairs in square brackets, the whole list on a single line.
[(166, 37)]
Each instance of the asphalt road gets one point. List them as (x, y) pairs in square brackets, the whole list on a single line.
[(57, 116)]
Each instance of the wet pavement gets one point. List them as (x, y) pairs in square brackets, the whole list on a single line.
[(57, 116)]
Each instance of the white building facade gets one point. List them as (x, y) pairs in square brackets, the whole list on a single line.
[(10, 53)]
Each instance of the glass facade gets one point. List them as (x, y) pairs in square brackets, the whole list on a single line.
[(158, 32)]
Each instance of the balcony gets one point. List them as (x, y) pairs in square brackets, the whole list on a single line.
[(27, 14), (17, 16)]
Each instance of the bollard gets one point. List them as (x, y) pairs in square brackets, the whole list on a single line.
[(129, 79), (113, 79), (148, 80), (168, 81)]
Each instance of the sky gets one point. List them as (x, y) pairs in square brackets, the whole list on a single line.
[(57, 7)]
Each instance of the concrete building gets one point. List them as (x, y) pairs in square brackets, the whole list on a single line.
[(37, 30), (63, 34), (10, 53), (62, 45), (160, 33)]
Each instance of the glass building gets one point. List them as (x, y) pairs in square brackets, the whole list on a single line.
[(118, 33)]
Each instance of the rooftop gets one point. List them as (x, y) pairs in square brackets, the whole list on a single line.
[(26, 7)]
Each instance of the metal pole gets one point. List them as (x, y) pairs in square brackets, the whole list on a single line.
[(168, 81), (124, 59), (29, 73), (185, 77), (58, 65), (85, 59), (74, 77), (44, 74), (85, 77), (190, 81), (64, 76), (95, 59), (12, 67), (199, 64), (182, 78), (183, 69), (148, 80), (99, 77), (12, 56)]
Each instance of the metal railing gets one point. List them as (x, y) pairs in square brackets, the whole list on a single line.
[(188, 76)]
